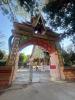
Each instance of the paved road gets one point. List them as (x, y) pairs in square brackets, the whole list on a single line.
[(42, 91), (22, 76)]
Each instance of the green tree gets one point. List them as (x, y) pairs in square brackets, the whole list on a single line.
[(22, 59), (72, 58), (67, 58), (1, 54), (73, 41), (2, 59), (18, 8), (62, 15)]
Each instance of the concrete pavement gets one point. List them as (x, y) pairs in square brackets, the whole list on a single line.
[(42, 91), (22, 76)]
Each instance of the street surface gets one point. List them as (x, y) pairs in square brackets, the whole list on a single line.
[(42, 91), (22, 76)]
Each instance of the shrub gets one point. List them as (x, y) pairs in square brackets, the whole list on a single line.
[(2, 63)]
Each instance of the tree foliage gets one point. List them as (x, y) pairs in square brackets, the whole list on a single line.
[(3, 58), (69, 58), (1, 54), (62, 14), (66, 58), (28, 3), (19, 10), (73, 40), (22, 59)]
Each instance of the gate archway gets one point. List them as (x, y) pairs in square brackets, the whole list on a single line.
[(35, 33)]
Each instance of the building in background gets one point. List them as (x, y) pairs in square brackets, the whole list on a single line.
[(40, 58)]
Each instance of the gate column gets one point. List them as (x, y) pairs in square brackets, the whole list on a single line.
[(56, 64), (13, 57), (61, 63)]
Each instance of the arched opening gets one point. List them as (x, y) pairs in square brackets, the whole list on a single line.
[(39, 61), (50, 48)]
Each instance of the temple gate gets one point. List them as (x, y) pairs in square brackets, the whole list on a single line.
[(35, 33)]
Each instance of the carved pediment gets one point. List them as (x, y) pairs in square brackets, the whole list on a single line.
[(38, 25)]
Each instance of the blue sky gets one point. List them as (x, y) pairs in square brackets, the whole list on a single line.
[(27, 50), (5, 32)]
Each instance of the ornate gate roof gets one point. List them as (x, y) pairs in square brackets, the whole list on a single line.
[(36, 28)]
